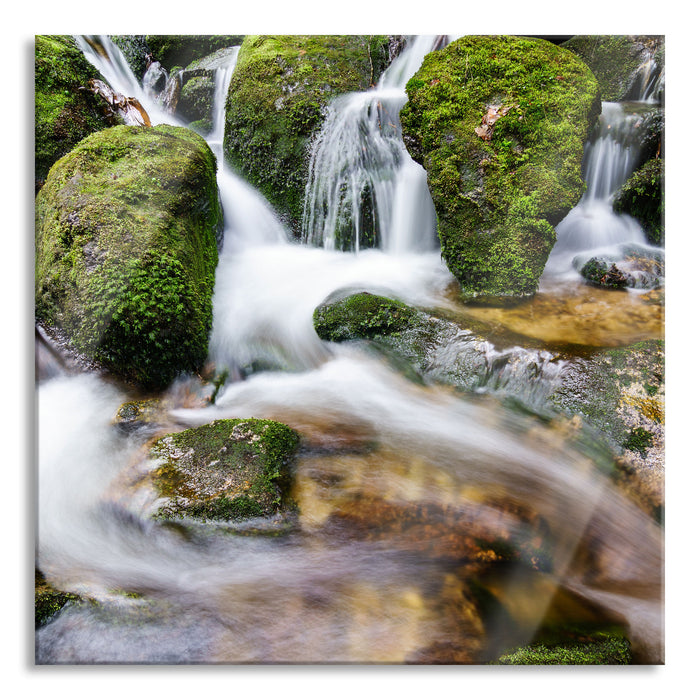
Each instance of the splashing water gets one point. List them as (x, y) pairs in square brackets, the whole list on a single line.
[(364, 190)]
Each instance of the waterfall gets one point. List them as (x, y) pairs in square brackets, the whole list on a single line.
[(456, 464), (363, 189)]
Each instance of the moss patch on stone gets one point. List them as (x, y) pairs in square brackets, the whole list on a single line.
[(65, 111), (590, 650), (231, 469), (642, 197), (499, 123), (276, 103), (172, 50), (614, 59), (126, 250), (362, 315), (48, 601)]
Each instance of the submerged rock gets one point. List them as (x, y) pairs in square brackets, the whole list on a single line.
[(499, 123), (227, 470), (126, 250), (276, 103), (621, 393), (630, 267), (65, 110)]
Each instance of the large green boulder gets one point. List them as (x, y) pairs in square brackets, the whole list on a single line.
[(615, 60), (500, 123), (65, 111), (126, 250), (230, 469), (276, 103)]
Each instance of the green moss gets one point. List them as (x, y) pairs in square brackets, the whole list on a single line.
[(196, 99), (276, 102), (226, 470), (598, 649), (126, 250), (362, 315), (642, 197), (639, 440), (500, 189), (48, 601), (65, 111), (172, 50), (613, 59)]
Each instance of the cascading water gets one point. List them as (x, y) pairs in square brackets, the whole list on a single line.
[(364, 190), (328, 592), (593, 227)]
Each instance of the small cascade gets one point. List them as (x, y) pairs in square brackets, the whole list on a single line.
[(364, 190), (610, 158), (222, 79), (155, 79)]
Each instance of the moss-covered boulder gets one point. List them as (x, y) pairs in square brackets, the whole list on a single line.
[(231, 469), (500, 123), (642, 197), (362, 315), (126, 250), (65, 111), (196, 99), (276, 103), (615, 60), (178, 50)]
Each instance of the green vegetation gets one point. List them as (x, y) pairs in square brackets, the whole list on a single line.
[(362, 315), (65, 111), (499, 123), (642, 197), (230, 469), (126, 250), (639, 440), (614, 59), (47, 600), (600, 648), (276, 103), (173, 50)]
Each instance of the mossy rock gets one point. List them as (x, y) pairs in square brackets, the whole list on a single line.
[(614, 59), (276, 101), (126, 250), (231, 469), (48, 601), (196, 99), (500, 123), (642, 197), (362, 315), (65, 111), (598, 649), (134, 48), (172, 50), (621, 393)]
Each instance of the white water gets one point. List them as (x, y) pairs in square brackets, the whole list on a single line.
[(310, 597), (364, 190), (592, 226)]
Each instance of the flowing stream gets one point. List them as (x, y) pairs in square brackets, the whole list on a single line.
[(397, 480)]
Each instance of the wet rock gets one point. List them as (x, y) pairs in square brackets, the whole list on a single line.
[(227, 470), (630, 267), (616, 60), (64, 111), (48, 601), (621, 393), (502, 143), (642, 197), (126, 251), (276, 103)]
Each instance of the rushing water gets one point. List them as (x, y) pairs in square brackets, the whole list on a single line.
[(396, 483)]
